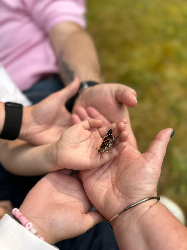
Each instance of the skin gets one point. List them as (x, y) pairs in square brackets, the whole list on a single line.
[(58, 210), (5, 208), (44, 122), (115, 97), (77, 148), (82, 147), (77, 57), (75, 52), (128, 178)]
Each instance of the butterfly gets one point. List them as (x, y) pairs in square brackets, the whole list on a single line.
[(107, 142)]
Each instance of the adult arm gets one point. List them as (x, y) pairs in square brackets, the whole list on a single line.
[(76, 53), (129, 178), (149, 226), (77, 57)]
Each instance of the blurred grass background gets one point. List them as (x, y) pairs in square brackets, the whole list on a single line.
[(143, 44)]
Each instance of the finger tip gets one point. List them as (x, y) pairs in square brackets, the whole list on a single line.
[(132, 101), (124, 136)]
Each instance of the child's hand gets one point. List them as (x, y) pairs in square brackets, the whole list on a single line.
[(59, 208), (78, 146)]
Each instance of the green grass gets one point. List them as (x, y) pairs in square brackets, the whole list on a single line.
[(143, 44)]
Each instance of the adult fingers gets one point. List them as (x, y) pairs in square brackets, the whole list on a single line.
[(126, 95), (75, 119), (157, 148), (91, 219), (81, 112), (94, 113)]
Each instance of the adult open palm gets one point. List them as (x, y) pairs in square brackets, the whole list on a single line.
[(126, 179), (59, 208), (111, 100)]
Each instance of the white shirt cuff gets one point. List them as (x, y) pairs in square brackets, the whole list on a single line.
[(17, 237)]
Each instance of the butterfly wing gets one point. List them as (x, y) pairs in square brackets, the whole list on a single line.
[(107, 142)]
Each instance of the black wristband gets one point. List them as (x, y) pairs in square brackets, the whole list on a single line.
[(84, 85), (13, 121)]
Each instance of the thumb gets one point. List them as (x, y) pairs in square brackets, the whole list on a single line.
[(70, 90), (157, 148), (126, 95), (91, 219)]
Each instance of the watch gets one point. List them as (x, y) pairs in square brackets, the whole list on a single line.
[(13, 121), (84, 85)]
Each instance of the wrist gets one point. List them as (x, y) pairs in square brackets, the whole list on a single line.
[(26, 121), (51, 157), (131, 217), (39, 224), (2, 115), (84, 85)]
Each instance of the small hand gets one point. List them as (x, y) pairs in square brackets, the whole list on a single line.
[(126, 179), (59, 208), (44, 122), (111, 101), (78, 146)]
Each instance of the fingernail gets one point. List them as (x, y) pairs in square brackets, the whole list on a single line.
[(134, 97), (172, 133)]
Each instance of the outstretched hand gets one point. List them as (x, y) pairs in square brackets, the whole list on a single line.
[(78, 146), (58, 208), (44, 122), (126, 179), (111, 101)]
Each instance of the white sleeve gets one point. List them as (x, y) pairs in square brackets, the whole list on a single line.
[(9, 91), (14, 236)]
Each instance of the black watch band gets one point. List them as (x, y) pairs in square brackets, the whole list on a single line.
[(84, 85), (13, 121)]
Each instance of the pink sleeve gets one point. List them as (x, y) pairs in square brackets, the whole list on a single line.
[(48, 13)]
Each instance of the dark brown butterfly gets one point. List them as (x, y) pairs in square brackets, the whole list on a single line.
[(107, 142)]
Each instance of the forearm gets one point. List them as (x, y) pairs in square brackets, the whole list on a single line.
[(20, 158), (76, 53), (149, 227)]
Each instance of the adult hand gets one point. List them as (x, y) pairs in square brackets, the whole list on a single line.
[(59, 208), (111, 100), (82, 114), (44, 122), (78, 146), (126, 179)]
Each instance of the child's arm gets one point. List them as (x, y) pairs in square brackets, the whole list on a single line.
[(76, 149), (21, 158)]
